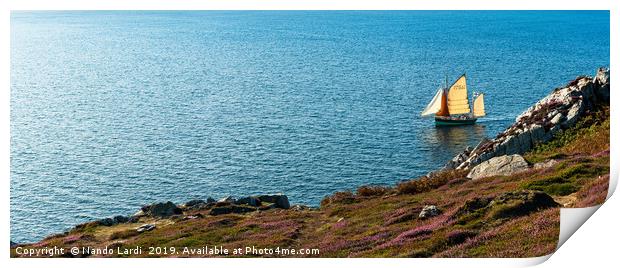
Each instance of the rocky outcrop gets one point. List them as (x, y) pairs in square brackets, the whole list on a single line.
[(499, 166), (250, 200), (558, 111), (506, 205), (519, 203), (161, 210), (279, 200)]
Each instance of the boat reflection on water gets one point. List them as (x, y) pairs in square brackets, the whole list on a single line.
[(446, 142)]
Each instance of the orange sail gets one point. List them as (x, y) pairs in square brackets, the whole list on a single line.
[(443, 111)]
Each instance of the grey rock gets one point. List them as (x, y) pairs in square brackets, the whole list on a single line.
[(145, 228), (546, 164), (537, 133), (512, 145), (557, 119), (429, 211), (499, 166), (573, 114), (525, 142)]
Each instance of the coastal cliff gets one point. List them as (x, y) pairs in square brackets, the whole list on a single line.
[(498, 199)]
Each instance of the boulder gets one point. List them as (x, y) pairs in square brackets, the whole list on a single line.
[(162, 210), (499, 166), (210, 200), (557, 118), (429, 211), (573, 114), (250, 200), (537, 133), (280, 200), (145, 228), (519, 203)]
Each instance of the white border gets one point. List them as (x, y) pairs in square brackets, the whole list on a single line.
[(311, 4), (281, 5)]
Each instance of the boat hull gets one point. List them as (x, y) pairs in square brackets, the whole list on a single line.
[(454, 121)]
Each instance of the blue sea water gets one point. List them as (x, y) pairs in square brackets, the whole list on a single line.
[(113, 110)]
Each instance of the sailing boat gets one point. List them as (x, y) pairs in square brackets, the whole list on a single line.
[(451, 105)]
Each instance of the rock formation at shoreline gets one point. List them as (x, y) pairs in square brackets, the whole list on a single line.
[(556, 112)]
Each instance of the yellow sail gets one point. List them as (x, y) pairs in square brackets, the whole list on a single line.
[(457, 97), (434, 105), (479, 106)]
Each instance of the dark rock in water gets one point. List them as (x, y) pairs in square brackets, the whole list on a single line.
[(280, 200), (210, 200), (13, 244), (250, 200), (162, 210), (230, 209), (194, 202), (519, 203), (429, 211), (145, 228)]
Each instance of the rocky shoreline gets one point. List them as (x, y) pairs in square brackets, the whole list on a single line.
[(501, 156), (556, 112)]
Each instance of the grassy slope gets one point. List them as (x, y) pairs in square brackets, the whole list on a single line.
[(382, 222)]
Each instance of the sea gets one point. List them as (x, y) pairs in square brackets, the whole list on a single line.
[(111, 110)]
